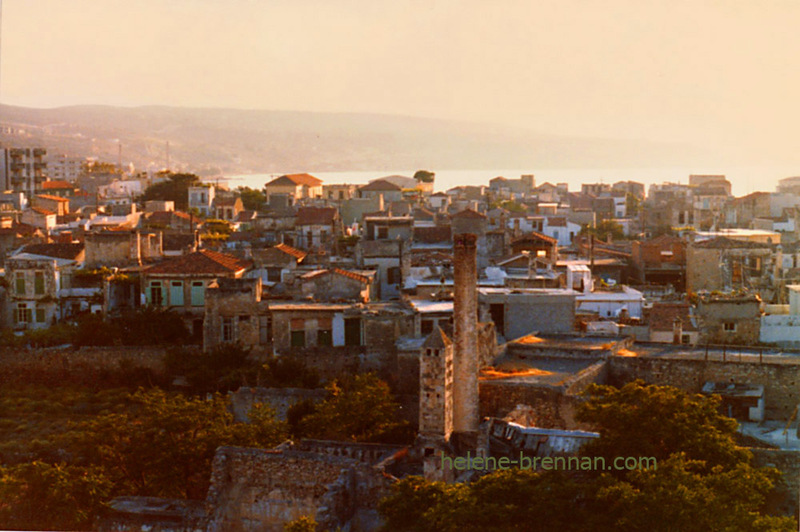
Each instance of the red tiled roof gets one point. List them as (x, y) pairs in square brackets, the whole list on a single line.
[(39, 210), (204, 261), (433, 235), (380, 185), (289, 250), (315, 216), (296, 179), (350, 275), (50, 185), (60, 251), (662, 316), (557, 221), (51, 197), (468, 213), (533, 235)]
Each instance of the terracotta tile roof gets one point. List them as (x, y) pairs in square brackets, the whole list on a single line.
[(59, 251), (533, 236), (316, 216), (352, 275), (246, 216), (295, 179), (433, 235), (167, 217), (204, 261), (557, 221), (722, 242), (289, 250), (39, 210), (226, 202), (662, 316), (59, 184), (380, 185), (363, 279), (50, 197), (468, 213)]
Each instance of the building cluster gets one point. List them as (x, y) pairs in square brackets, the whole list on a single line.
[(686, 262), (469, 302)]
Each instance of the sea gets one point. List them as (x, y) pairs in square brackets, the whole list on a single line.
[(744, 180)]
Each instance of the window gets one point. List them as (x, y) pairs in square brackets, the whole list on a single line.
[(20, 282), (426, 327), (352, 331), (40, 315), (325, 332), (685, 339), (729, 326), (265, 329), (393, 275), (38, 283), (198, 293), (23, 314), (383, 232), (298, 332), (156, 293), (227, 330), (176, 293), (274, 275)]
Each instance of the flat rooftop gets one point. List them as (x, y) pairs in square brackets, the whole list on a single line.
[(552, 372)]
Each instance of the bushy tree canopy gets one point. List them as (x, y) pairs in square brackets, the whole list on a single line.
[(702, 481)]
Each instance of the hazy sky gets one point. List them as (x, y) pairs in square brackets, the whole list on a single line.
[(722, 73)]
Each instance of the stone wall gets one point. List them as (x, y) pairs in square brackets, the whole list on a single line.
[(255, 489), (279, 399), (553, 409), (88, 365), (781, 379)]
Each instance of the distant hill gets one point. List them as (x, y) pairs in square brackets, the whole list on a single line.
[(229, 141)]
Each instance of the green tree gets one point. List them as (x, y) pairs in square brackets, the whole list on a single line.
[(605, 229), (40, 496), (702, 481), (632, 204), (175, 188), (224, 368), (252, 199), (358, 409), (164, 445), (301, 524), (424, 176), (665, 420)]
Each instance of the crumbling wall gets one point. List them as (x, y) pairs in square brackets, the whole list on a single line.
[(279, 399), (553, 409), (260, 490)]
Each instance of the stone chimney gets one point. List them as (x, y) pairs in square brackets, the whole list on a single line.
[(466, 416)]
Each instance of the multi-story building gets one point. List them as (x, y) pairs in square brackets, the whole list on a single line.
[(64, 167), (23, 169)]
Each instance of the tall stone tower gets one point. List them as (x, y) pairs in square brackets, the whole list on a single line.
[(436, 388), (466, 418)]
